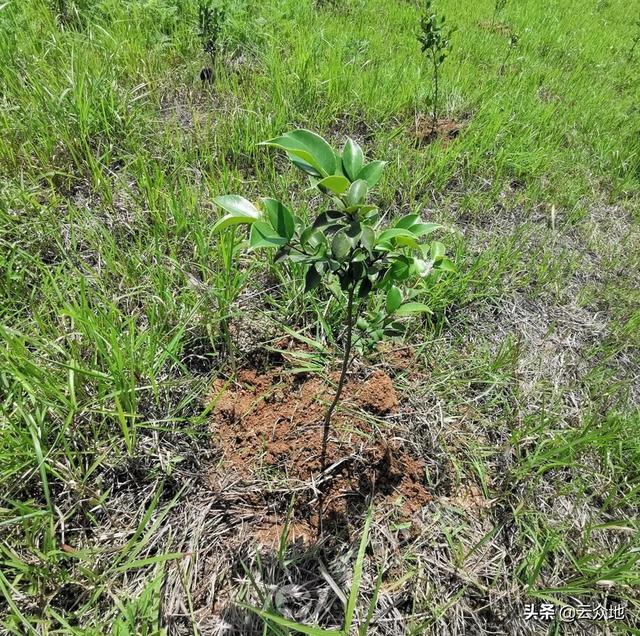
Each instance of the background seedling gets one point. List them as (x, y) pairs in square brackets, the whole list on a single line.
[(513, 43), (346, 247), (435, 39), (498, 7), (211, 18), (634, 41)]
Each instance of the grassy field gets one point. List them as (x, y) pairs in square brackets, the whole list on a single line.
[(119, 308)]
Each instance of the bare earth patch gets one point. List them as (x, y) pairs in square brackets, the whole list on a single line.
[(427, 131), (269, 427)]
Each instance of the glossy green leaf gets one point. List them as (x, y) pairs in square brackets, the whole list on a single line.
[(352, 159), (334, 183), (372, 172), (437, 250), (394, 232), (407, 241), (309, 147), (326, 218), (446, 266), (413, 308), (400, 269), (239, 211), (422, 229), (357, 192), (304, 166), (394, 299), (262, 235), (368, 238), (311, 279), (423, 268), (407, 221), (340, 246), (365, 288), (280, 218)]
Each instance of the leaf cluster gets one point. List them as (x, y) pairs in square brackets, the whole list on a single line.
[(210, 21), (435, 35), (346, 246)]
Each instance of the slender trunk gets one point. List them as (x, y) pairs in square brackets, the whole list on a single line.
[(336, 399), (435, 95), (228, 299)]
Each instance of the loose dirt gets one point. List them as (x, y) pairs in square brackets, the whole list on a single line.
[(268, 428), (427, 131)]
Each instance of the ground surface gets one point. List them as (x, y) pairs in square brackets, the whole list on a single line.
[(160, 392)]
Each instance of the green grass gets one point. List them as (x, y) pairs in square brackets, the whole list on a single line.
[(118, 305)]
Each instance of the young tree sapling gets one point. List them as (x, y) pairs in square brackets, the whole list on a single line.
[(435, 39), (346, 242)]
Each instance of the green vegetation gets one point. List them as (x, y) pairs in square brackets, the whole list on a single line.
[(435, 39), (120, 302)]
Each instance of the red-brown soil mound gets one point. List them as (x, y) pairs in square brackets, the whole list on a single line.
[(427, 131), (269, 427)]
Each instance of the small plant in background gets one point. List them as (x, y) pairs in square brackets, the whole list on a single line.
[(634, 41), (346, 247), (435, 39), (498, 8), (70, 14), (211, 19), (513, 43)]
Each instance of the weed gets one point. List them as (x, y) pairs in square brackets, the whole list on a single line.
[(274, 620)]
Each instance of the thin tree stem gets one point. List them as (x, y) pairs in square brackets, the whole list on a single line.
[(336, 399), (435, 97)]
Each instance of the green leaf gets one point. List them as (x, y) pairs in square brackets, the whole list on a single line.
[(371, 172), (304, 166), (239, 211), (335, 183), (400, 269), (285, 622), (446, 265), (326, 218), (262, 235), (407, 221), (368, 238), (365, 287), (422, 229), (313, 238), (357, 192), (311, 279), (407, 241), (280, 218), (352, 159), (340, 246), (422, 267), (437, 250), (394, 299), (413, 308), (309, 147), (394, 232)]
